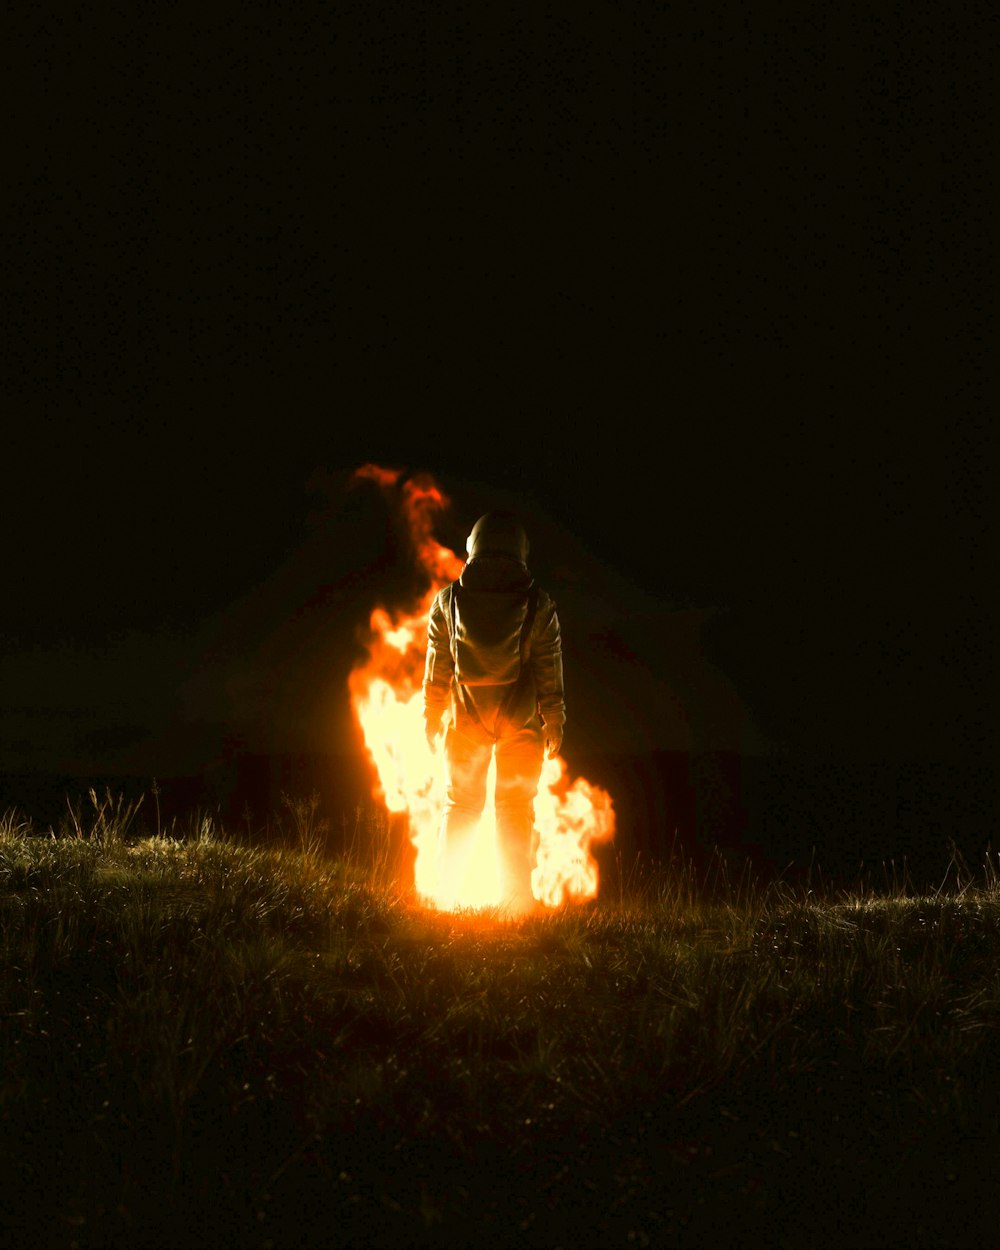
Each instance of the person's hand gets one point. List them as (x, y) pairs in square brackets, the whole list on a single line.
[(553, 740), (432, 730)]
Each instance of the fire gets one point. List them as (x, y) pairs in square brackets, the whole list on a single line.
[(386, 699)]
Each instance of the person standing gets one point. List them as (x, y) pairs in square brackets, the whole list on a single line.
[(493, 682)]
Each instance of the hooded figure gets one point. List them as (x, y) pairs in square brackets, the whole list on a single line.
[(494, 672)]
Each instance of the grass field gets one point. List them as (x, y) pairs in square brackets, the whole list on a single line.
[(211, 1043)]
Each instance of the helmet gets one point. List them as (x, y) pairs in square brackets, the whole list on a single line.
[(498, 534)]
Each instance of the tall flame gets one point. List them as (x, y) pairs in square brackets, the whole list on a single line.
[(386, 699)]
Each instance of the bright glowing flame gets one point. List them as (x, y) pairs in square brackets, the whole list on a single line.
[(386, 698)]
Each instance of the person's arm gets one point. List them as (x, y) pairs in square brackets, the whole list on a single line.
[(547, 670), (439, 667)]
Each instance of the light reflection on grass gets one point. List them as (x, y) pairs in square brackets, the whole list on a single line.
[(220, 1042)]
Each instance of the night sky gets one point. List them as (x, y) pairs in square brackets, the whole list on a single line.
[(702, 298)]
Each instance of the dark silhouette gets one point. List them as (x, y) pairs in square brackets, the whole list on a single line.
[(493, 679)]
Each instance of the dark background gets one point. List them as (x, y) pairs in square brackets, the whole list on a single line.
[(704, 296)]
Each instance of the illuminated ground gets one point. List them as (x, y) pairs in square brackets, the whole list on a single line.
[(209, 1044)]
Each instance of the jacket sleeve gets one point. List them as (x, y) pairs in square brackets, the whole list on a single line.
[(546, 663), (439, 667)]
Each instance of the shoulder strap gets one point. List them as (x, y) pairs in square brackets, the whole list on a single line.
[(529, 621), (452, 629)]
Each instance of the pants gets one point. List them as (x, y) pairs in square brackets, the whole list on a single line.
[(518, 769)]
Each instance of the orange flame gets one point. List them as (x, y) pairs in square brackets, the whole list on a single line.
[(387, 702)]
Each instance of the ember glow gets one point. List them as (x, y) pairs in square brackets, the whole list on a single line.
[(387, 701)]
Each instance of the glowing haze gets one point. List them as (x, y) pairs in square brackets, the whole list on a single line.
[(386, 699)]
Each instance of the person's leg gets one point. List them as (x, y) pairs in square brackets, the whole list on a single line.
[(466, 764), (519, 767)]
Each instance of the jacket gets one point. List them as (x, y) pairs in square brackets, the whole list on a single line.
[(494, 652)]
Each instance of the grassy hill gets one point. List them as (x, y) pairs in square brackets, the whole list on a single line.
[(207, 1042)]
